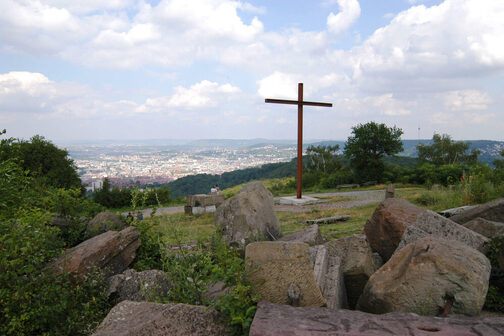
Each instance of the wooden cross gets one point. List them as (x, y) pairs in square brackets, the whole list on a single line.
[(300, 104)]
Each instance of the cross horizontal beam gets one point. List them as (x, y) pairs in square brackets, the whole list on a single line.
[(296, 102)]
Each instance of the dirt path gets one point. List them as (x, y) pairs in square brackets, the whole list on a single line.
[(360, 198)]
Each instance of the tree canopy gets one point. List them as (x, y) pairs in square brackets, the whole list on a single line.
[(322, 158), (368, 144), (42, 160), (445, 151)]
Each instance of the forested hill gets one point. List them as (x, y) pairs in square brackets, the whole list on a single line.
[(201, 183)]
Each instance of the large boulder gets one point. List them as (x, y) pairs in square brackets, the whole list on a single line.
[(281, 320), (357, 261), (130, 318), (390, 219), (248, 216), (485, 227), (278, 267), (112, 251), (430, 223), (493, 211), (105, 221), (310, 235), (428, 276), (138, 286)]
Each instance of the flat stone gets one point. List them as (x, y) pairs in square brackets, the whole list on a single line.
[(293, 200), (282, 320), (485, 227), (430, 223), (493, 211), (130, 285), (276, 266), (204, 200), (130, 318), (327, 220), (310, 235)]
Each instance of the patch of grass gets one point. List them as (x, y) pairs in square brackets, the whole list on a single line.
[(181, 227), (291, 222)]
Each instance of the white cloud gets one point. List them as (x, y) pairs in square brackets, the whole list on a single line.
[(466, 100), (349, 13), (279, 85)]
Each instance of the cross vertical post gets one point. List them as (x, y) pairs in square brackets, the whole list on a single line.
[(300, 102), (300, 142)]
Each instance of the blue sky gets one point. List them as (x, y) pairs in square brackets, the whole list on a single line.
[(128, 69)]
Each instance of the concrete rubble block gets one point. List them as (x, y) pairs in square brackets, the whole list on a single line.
[(357, 261), (310, 235), (130, 318), (204, 200), (248, 216), (430, 223), (429, 277), (277, 266), (282, 320), (111, 251), (386, 226)]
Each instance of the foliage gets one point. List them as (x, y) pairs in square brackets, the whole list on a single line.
[(322, 159), (33, 300), (366, 147), (114, 197), (495, 296), (42, 160), (201, 183), (445, 151), (148, 255)]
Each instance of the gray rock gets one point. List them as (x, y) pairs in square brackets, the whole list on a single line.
[(455, 211), (430, 223), (311, 236), (138, 286), (215, 290), (357, 263), (204, 200), (105, 221), (282, 320), (248, 216), (485, 227), (329, 277), (426, 276), (390, 191), (493, 211), (111, 251), (130, 318)]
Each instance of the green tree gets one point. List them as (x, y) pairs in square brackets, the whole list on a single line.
[(368, 144), (446, 151), (322, 159), (48, 164), (499, 163)]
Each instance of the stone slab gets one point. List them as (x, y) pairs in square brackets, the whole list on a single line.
[(281, 320), (293, 200)]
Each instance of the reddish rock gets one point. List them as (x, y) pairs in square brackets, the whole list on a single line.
[(385, 228), (282, 320), (112, 251), (130, 318)]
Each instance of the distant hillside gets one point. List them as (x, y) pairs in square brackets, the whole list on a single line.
[(490, 149), (201, 183)]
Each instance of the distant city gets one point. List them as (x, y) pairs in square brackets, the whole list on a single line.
[(159, 162), (127, 165)]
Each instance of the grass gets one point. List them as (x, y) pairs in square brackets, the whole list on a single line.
[(181, 227)]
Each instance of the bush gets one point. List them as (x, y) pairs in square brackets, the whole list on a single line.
[(33, 300)]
